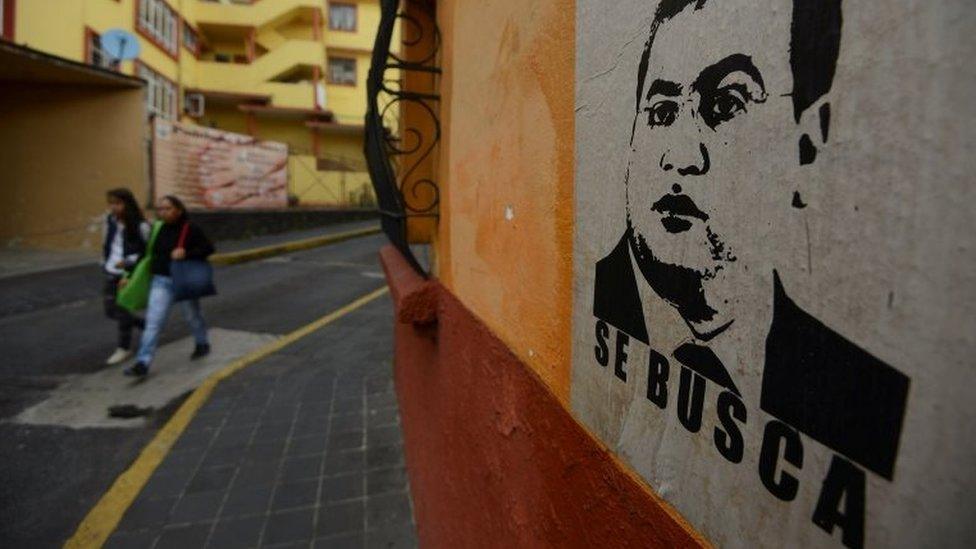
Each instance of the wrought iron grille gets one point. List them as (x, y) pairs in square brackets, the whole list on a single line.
[(394, 153)]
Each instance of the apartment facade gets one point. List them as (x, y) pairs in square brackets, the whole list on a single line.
[(291, 71)]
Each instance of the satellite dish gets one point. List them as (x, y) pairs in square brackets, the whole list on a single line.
[(120, 45)]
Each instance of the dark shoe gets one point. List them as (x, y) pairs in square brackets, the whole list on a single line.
[(200, 351), (136, 370)]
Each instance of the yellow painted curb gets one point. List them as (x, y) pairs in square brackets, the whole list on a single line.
[(101, 521), (232, 258)]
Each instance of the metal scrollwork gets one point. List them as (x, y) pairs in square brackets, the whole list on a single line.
[(395, 152)]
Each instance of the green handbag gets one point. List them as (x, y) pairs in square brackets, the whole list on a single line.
[(134, 296)]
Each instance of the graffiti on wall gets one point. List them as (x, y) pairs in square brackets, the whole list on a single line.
[(213, 169), (691, 344)]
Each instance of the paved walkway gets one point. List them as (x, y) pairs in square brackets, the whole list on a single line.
[(301, 449)]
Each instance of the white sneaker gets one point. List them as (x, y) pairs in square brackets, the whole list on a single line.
[(119, 356)]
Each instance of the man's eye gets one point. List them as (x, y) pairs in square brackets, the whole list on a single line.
[(726, 104), (662, 113)]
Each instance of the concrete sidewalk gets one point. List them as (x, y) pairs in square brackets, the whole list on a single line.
[(300, 449)]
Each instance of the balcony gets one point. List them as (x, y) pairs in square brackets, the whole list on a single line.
[(256, 15), (291, 55), (292, 59)]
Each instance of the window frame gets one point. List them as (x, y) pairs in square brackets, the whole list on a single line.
[(195, 33), (89, 48), (355, 16), (355, 70), (172, 99), (159, 23)]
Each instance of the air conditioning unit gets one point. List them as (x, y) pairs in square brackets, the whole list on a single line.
[(194, 104)]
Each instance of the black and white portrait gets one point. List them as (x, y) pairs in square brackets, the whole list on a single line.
[(682, 210), (721, 225)]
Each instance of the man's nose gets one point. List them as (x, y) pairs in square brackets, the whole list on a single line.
[(688, 159)]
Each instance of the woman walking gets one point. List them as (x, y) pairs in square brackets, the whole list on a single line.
[(178, 240), (126, 233)]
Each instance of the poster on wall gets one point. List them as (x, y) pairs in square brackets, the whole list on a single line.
[(213, 169), (774, 296)]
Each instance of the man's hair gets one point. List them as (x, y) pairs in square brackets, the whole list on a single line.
[(814, 45)]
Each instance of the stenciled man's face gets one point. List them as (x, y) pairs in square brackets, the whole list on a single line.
[(713, 115)]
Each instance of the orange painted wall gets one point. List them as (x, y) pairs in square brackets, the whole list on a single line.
[(504, 242), (494, 459)]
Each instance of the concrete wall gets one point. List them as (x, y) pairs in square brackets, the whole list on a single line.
[(506, 174), (749, 285), (493, 457), (61, 148), (774, 305)]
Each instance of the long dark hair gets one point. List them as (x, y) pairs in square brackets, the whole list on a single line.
[(132, 214), (178, 204)]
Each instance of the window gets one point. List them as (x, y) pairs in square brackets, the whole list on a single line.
[(342, 71), (191, 40), (159, 23), (342, 17), (160, 92), (94, 54)]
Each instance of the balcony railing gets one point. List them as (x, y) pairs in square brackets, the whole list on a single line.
[(398, 155)]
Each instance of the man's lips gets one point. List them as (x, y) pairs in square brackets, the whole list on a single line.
[(677, 207)]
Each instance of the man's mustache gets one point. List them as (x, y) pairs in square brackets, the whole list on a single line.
[(678, 204)]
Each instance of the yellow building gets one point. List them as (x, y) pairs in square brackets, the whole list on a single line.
[(292, 71)]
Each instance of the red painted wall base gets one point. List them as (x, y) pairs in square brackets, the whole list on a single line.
[(494, 459)]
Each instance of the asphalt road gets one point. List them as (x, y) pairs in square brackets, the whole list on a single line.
[(52, 326)]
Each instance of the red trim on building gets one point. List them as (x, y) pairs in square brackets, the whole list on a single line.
[(317, 25), (241, 97), (89, 32), (251, 45), (325, 115), (494, 458), (8, 32), (252, 124), (316, 79), (196, 32)]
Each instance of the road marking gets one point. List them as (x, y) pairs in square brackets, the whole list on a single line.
[(232, 258), (101, 521)]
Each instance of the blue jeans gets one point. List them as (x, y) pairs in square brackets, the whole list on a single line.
[(160, 301)]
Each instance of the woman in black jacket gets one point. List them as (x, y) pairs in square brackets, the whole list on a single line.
[(126, 234), (178, 239)]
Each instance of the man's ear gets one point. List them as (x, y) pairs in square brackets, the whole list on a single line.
[(814, 129)]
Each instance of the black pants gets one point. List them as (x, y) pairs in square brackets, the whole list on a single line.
[(125, 319)]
